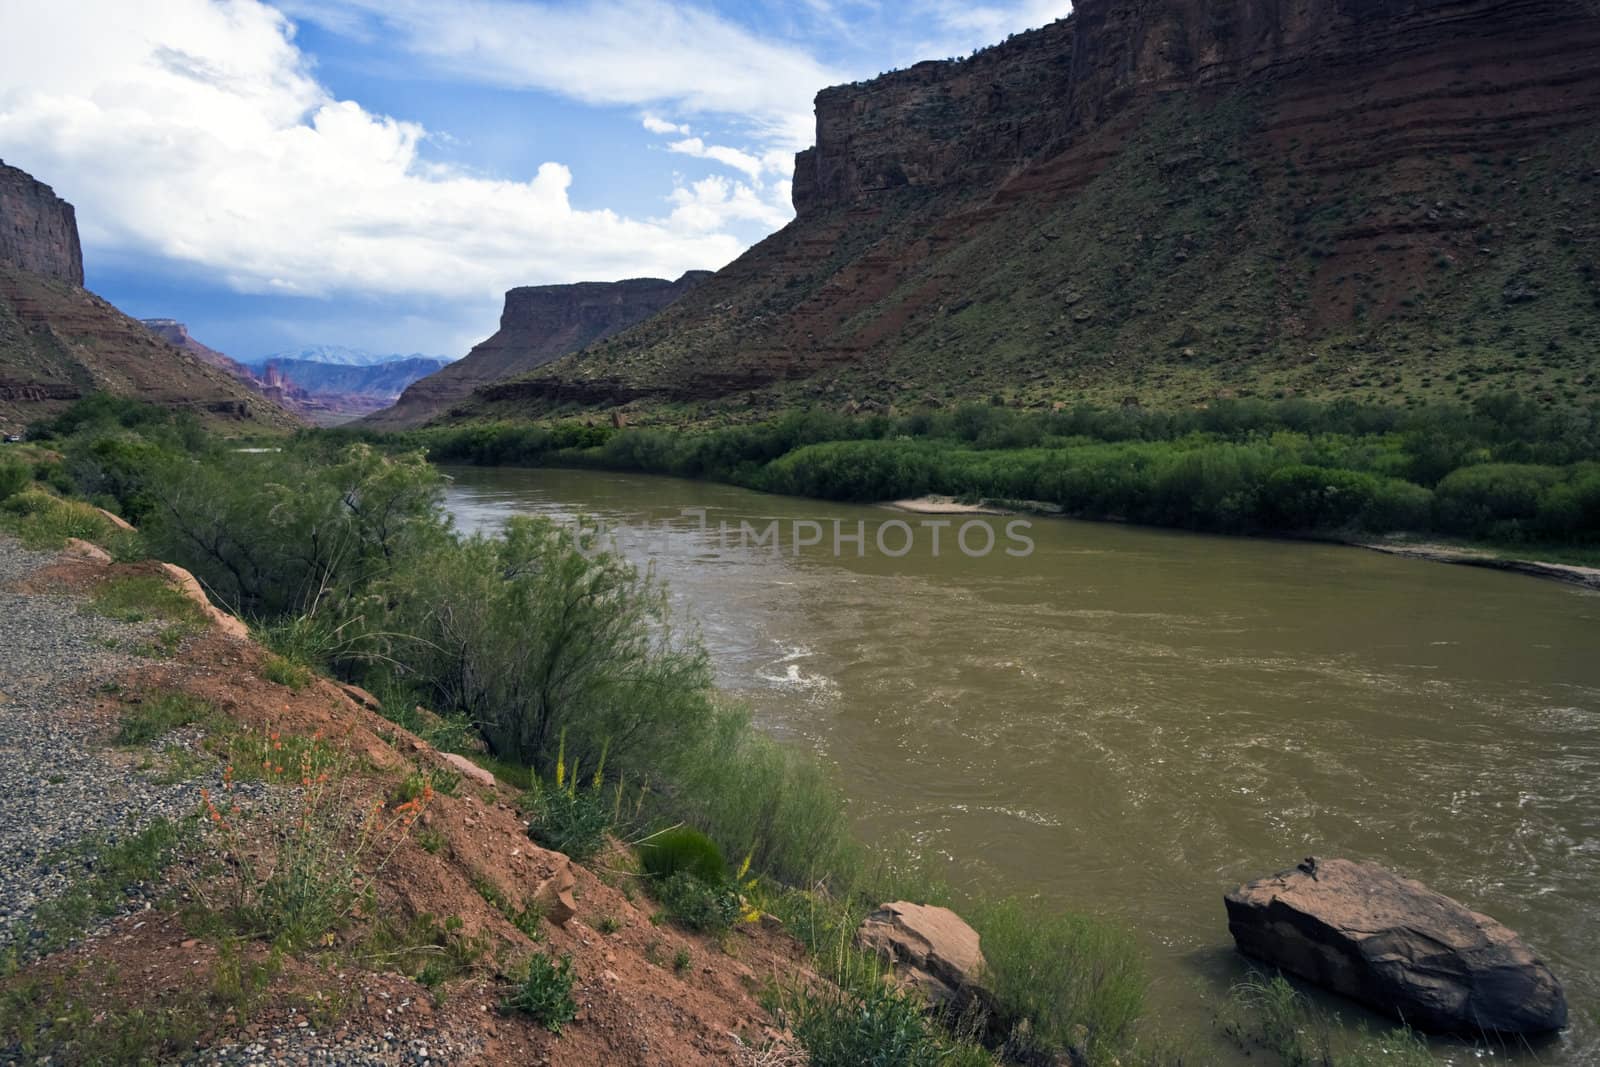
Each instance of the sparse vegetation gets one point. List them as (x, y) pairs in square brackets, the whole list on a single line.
[(544, 993), (158, 715)]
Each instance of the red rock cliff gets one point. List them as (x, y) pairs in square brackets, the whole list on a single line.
[(38, 230), (970, 122)]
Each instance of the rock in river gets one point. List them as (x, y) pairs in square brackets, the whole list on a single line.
[(1397, 945)]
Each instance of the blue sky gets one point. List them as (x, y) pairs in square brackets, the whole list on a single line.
[(377, 172)]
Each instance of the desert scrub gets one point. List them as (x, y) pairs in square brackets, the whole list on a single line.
[(159, 714), (875, 1026), (692, 904), (544, 993), (326, 852), (424, 948), (1075, 981)]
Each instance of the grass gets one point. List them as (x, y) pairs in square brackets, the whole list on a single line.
[(159, 715), (544, 993), (42, 520), (143, 598), (424, 948), (48, 1023), (110, 866), (526, 919), (285, 672), (1270, 1015), (1074, 981)]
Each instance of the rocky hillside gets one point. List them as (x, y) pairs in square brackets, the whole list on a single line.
[(1167, 201), (539, 324), (60, 342)]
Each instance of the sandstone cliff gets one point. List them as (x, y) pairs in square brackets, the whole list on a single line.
[(1168, 200), (539, 324), (60, 342), (38, 230)]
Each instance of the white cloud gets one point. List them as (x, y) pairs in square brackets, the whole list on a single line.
[(663, 127), (608, 52), (728, 157), (713, 203), (195, 131)]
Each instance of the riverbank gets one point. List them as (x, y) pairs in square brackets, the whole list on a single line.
[(1500, 474), (1587, 577), (1571, 574), (113, 905)]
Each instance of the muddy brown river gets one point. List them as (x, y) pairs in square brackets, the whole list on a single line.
[(1128, 722)]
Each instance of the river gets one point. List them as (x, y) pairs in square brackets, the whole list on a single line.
[(1129, 722)]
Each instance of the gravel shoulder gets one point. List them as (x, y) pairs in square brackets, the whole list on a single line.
[(66, 787)]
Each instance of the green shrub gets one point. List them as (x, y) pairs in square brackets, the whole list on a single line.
[(571, 820), (14, 478), (1493, 499), (681, 849), (695, 905), (544, 993), (538, 636), (1060, 972), (877, 1027)]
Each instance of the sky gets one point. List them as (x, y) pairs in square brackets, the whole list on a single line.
[(376, 173)]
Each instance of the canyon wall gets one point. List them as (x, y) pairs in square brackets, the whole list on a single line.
[(38, 229), (968, 123), (539, 324)]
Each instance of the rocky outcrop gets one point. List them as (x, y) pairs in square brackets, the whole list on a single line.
[(1173, 199), (177, 335), (38, 229), (1395, 944), (931, 949), (539, 324), (224, 623)]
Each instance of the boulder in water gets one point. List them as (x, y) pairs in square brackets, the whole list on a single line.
[(1395, 944)]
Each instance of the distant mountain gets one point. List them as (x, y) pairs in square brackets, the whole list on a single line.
[(349, 390), (60, 342), (338, 356)]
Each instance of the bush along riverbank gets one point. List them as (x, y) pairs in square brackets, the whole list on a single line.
[(453, 774), (1504, 474)]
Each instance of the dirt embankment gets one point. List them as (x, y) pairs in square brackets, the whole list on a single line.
[(466, 871)]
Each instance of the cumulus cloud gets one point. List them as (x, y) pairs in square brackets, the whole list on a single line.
[(196, 131), (713, 203)]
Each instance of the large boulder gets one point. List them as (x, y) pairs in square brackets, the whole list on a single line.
[(932, 950), (1398, 946)]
